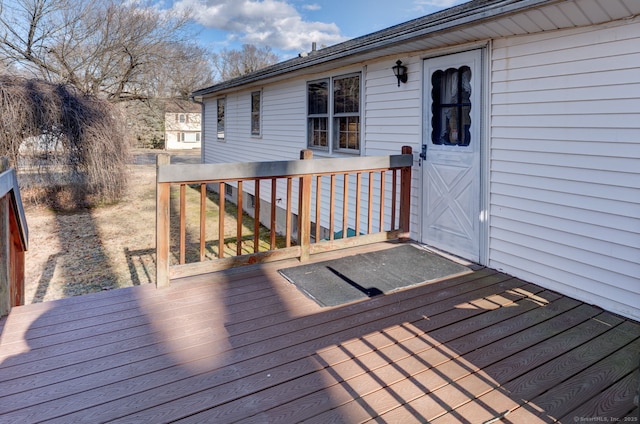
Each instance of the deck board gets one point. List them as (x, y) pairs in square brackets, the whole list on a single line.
[(246, 346)]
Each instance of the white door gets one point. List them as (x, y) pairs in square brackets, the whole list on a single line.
[(451, 154)]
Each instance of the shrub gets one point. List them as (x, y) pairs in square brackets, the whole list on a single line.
[(70, 149)]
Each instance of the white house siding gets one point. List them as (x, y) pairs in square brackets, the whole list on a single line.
[(393, 118), (283, 125), (565, 162), (284, 131)]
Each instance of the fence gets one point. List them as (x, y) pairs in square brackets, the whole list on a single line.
[(367, 199)]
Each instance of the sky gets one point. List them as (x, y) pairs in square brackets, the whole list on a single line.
[(290, 26)]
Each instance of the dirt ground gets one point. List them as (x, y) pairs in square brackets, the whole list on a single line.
[(96, 249)]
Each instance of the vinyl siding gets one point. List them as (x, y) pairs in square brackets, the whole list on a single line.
[(283, 126), (384, 131), (565, 162), (393, 118)]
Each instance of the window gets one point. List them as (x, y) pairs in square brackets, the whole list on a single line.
[(255, 112), (221, 107), (190, 137), (333, 114), (318, 116), (182, 118), (451, 107)]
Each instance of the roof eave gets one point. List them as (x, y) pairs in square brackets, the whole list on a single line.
[(462, 15)]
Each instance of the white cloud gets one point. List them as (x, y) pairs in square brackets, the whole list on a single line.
[(312, 7), (274, 23)]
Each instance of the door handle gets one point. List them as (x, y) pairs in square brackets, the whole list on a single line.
[(423, 154)]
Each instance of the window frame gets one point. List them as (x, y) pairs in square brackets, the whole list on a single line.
[(458, 110), (221, 118), (256, 132), (315, 119), (183, 137), (332, 118)]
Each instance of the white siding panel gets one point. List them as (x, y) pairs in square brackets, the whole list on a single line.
[(283, 126), (595, 120), (392, 113), (595, 266), (209, 131), (593, 224), (611, 108), (616, 299), (571, 210), (393, 117), (565, 173), (512, 170), (617, 149), (617, 91), (283, 129), (599, 135), (551, 62), (591, 196), (581, 67), (567, 165), (620, 78)]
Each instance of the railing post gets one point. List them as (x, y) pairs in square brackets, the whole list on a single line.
[(304, 210), (405, 196), (162, 226)]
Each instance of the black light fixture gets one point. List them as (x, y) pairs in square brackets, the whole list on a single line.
[(400, 71)]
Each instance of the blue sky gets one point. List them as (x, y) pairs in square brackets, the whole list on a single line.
[(290, 26)]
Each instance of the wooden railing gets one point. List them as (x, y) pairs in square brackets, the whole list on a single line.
[(14, 237), (339, 203)]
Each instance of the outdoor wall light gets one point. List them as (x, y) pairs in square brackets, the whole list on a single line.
[(400, 71)]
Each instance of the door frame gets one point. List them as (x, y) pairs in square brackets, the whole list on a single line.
[(484, 192)]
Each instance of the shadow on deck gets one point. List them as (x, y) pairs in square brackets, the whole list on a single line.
[(246, 346)]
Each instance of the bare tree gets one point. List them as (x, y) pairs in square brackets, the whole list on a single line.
[(188, 67), (102, 47), (235, 63)]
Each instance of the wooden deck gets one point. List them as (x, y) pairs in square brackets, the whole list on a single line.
[(246, 346)]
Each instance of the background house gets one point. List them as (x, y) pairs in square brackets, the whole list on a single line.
[(527, 113), (182, 125)]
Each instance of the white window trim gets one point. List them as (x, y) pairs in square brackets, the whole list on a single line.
[(224, 117), (259, 133), (330, 150)]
